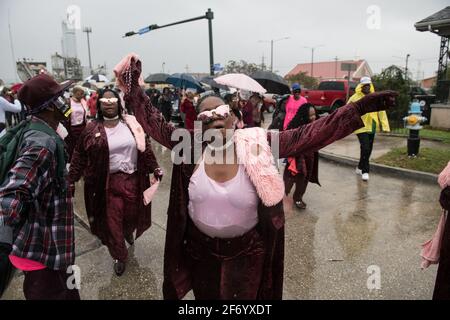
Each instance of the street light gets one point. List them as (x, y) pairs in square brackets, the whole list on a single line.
[(312, 57), (89, 30), (271, 48), (209, 15), (406, 65)]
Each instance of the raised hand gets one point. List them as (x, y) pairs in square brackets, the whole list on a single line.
[(377, 101)]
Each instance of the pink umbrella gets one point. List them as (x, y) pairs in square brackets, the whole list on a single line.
[(240, 81)]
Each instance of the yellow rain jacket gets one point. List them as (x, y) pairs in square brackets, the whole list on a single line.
[(373, 120)]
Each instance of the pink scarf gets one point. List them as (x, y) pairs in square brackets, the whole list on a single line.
[(136, 129), (431, 250)]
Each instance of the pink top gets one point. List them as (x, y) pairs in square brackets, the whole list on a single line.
[(292, 107), (223, 210), (26, 264), (122, 149), (78, 112)]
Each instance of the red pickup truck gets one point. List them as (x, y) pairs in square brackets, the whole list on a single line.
[(330, 95)]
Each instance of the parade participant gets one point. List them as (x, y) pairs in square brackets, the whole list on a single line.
[(304, 168), (293, 103), (115, 162), (437, 250), (165, 104), (92, 105), (78, 118), (232, 100), (280, 118), (187, 107), (372, 122), (36, 212), (6, 105), (225, 227), (258, 103), (245, 107)]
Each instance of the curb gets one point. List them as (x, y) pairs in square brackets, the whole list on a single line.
[(382, 169), (394, 135)]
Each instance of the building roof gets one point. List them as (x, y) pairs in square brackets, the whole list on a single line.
[(430, 78), (331, 69), (438, 23)]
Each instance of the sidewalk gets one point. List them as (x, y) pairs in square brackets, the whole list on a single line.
[(347, 151), (349, 146)]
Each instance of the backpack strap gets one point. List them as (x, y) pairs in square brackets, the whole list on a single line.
[(60, 153)]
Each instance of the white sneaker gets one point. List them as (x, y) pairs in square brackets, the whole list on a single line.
[(358, 172), (365, 177)]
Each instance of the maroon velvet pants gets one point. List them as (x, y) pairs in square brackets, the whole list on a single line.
[(225, 269), (300, 181), (73, 137), (122, 211), (48, 284)]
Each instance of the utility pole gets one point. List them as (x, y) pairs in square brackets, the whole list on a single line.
[(271, 49), (89, 30), (12, 49), (209, 15), (163, 65), (336, 67), (312, 58), (406, 67), (271, 55)]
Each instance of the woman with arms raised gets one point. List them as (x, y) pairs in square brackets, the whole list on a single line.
[(225, 225)]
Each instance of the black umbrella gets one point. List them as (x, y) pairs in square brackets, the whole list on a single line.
[(157, 78), (272, 82), (209, 80)]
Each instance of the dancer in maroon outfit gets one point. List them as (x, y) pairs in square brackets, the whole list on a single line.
[(115, 174), (250, 264)]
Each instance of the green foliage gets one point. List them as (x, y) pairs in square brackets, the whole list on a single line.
[(393, 78), (241, 67), (305, 80), (429, 160)]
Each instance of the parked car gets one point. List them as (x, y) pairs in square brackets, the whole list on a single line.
[(330, 95)]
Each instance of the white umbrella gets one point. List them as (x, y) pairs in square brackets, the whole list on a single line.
[(240, 81), (97, 78)]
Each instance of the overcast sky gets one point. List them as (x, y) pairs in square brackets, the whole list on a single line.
[(341, 26)]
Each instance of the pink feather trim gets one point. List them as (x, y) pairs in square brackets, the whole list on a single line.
[(444, 177), (253, 151)]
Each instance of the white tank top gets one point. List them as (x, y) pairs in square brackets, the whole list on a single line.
[(123, 152), (223, 210)]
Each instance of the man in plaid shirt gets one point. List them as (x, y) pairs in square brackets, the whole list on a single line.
[(36, 213)]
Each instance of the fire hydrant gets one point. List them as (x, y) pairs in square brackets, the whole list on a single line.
[(413, 123)]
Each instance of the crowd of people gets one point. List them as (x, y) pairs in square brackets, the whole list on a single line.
[(225, 219)]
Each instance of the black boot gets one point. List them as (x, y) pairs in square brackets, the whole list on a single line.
[(119, 267), (130, 239)]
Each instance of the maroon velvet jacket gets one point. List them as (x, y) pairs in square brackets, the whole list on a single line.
[(91, 160), (307, 139), (442, 285)]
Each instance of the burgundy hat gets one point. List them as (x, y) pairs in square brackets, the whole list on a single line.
[(41, 89)]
